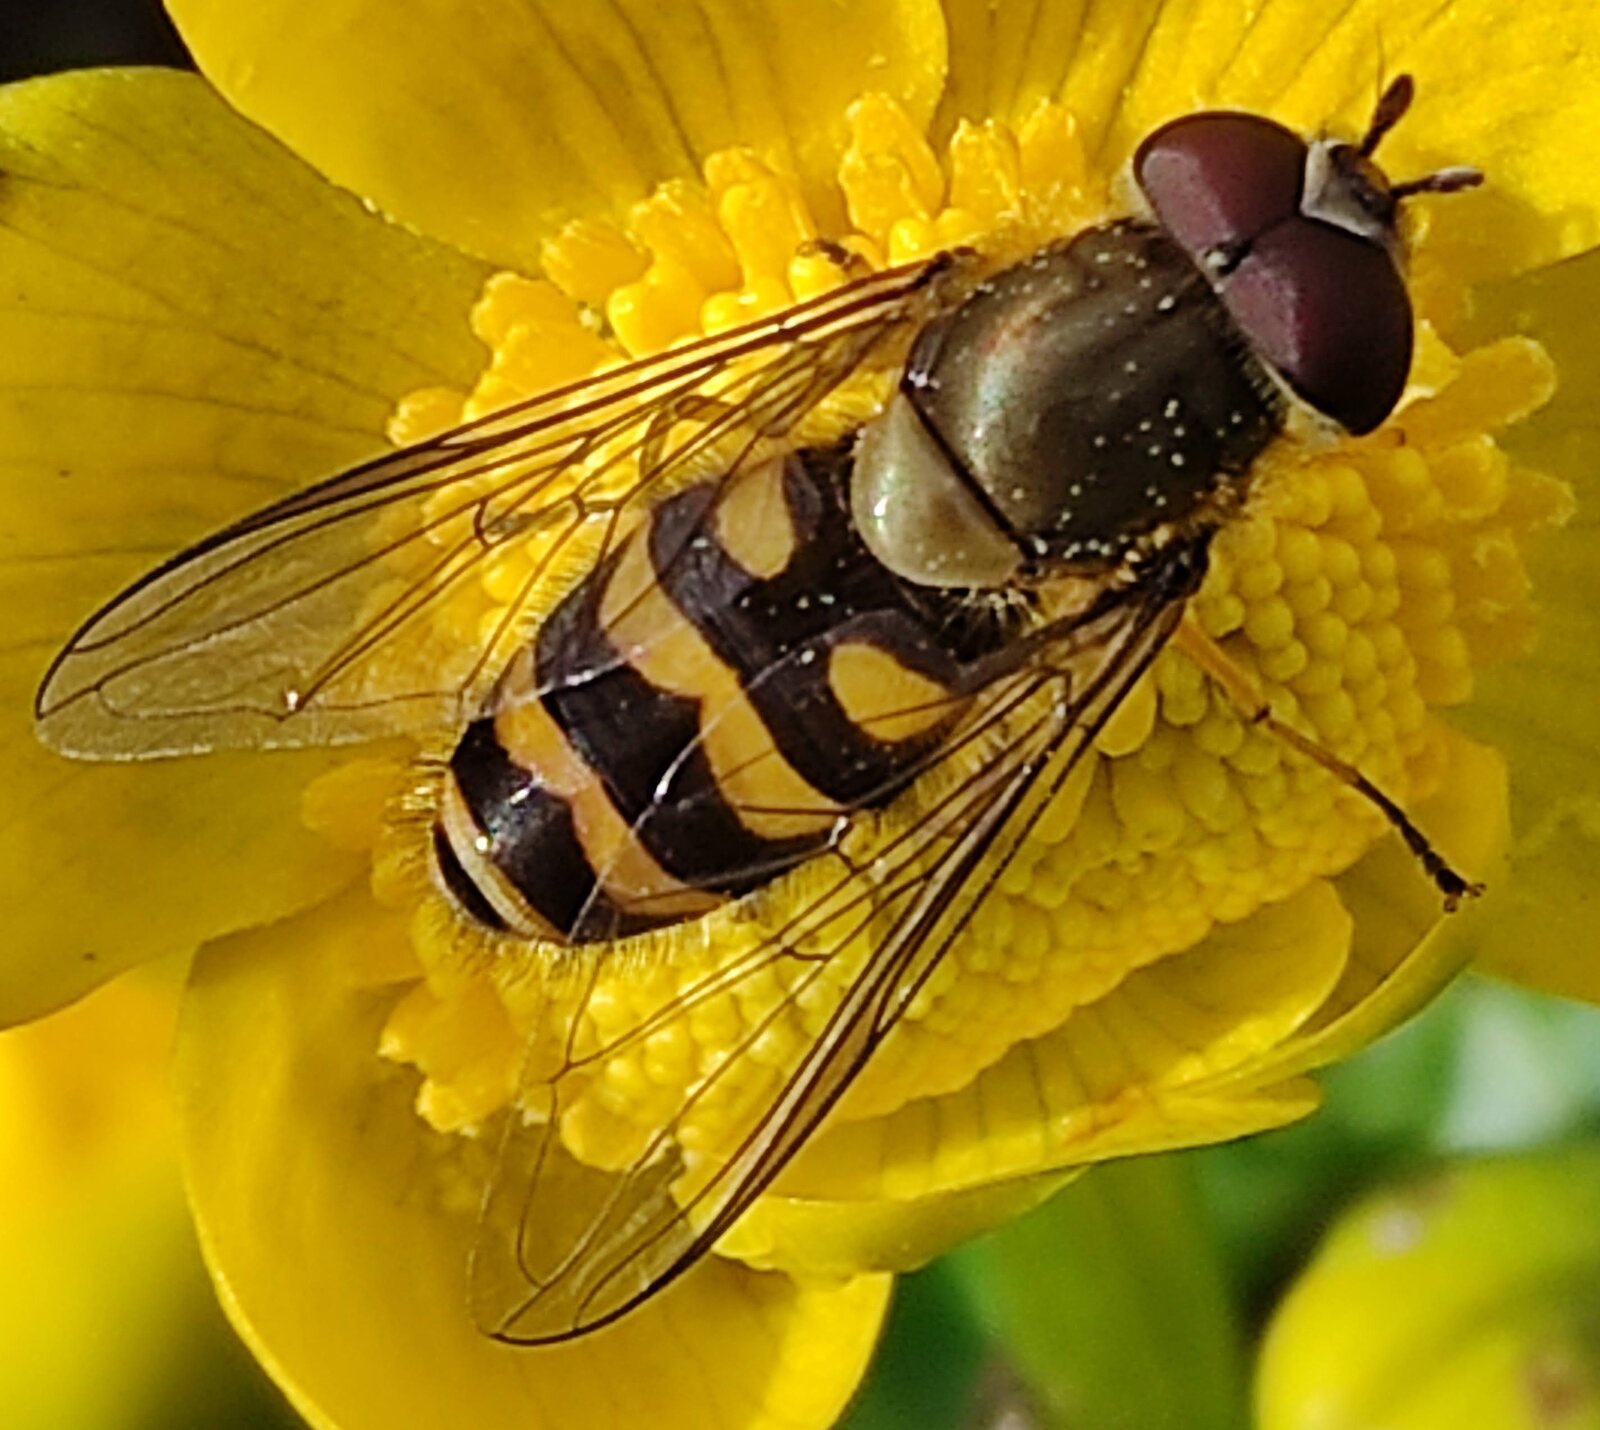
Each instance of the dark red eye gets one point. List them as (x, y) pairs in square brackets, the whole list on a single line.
[(1216, 181), (1330, 312), (1297, 240)]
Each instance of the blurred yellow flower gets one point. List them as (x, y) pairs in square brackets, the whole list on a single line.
[(105, 1303), (1467, 1298), (196, 322)]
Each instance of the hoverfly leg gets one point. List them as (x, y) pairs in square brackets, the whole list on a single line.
[(1246, 696)]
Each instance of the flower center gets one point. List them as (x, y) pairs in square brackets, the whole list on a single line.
[(1367, 581)]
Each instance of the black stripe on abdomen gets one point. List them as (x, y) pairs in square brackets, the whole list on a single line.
[(532, 840), (777, 633), (644, 744), (459, 884)]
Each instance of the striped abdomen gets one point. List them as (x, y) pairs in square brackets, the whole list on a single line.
[(698, 713)]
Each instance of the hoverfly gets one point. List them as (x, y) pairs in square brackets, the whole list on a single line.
[(768, 634)]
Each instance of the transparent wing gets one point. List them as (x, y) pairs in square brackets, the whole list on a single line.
[(328, 617), (565, 1247)]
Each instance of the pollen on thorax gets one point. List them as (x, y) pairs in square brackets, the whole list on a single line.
[(1363, 589)]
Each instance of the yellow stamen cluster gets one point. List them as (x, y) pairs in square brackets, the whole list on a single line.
[(1366, 582)]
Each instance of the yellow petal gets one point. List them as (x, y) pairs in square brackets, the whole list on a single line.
[(1117, 1079), (491, 125), (1544, 711), (816, 1236), (322, 1210), (840, 1238), (1501, 85), (190, 322)]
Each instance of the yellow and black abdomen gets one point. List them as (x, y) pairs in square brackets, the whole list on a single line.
[(701, 712)]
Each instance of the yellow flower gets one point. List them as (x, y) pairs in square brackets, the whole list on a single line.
[(196, 322), (96, 1249), (1468, 1297)]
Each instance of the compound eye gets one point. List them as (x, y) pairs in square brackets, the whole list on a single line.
[(1219, 180), (1330, 312)]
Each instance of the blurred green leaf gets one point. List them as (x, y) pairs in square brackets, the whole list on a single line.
[(1269, 1198), (1487, 1067), (1111, 1305), (1527, 1069)]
